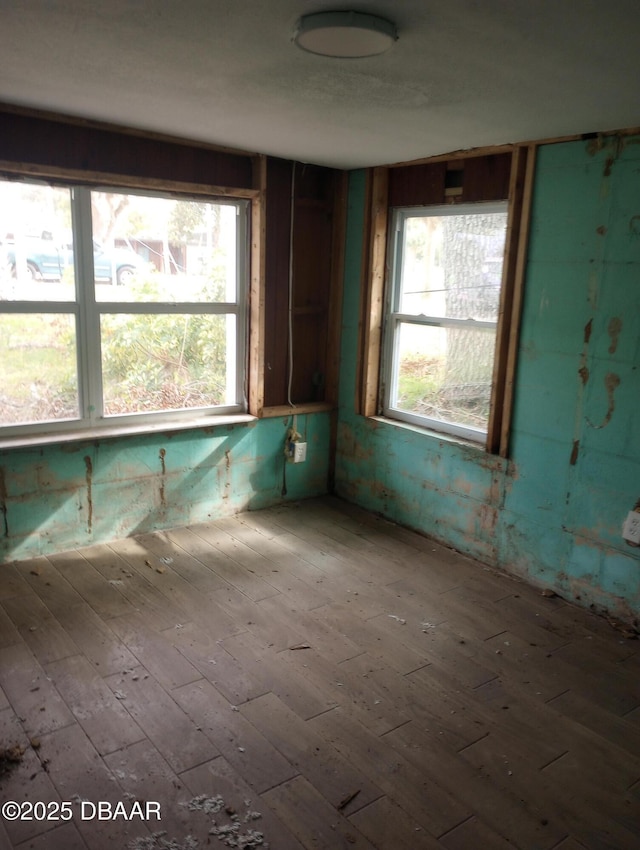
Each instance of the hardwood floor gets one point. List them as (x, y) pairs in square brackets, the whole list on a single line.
[(317, 676)]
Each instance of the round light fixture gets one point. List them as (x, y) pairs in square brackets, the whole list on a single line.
[(344, 35)]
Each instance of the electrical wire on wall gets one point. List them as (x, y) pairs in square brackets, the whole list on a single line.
[(291, 224), (293, 429)]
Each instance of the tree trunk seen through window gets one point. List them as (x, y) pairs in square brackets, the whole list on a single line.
[(472, 247)]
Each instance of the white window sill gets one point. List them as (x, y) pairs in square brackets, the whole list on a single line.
[(107, 432)]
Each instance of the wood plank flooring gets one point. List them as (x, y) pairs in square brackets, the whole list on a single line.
[(311, 677)]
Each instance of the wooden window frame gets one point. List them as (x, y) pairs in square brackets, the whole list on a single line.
[(376, 279), (86, 311), (395, 319)]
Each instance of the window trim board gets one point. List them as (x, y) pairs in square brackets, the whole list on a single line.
[(373, 288), (511, 295)]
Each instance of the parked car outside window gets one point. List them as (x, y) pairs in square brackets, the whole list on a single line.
[(47, 259)]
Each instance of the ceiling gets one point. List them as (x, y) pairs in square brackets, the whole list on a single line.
[(463, 73)]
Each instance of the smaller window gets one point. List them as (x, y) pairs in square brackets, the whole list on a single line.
[(442, 316)]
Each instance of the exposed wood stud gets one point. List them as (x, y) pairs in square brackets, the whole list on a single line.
[(374, 292), (257, 291), (497, 412), (273, 411), (335, 286), (526, 190), (10, 169)]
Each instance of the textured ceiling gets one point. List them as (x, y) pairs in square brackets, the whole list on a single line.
[(463, 73)]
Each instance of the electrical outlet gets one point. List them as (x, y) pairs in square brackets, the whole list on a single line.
[(300, 453), (631, 528)]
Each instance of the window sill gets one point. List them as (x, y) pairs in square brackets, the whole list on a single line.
[(466, 445), (109, 432)]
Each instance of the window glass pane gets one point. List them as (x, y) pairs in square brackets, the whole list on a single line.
[(452, 265), (167, 362), (149, 249), (445, 373), (36, 245), (39, 368)]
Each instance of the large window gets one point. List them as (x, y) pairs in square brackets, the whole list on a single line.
[(442, 313), (118, 307)]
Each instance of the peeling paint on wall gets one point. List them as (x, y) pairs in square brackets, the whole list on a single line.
[(227, 477), (614, 328), (488, 519), (611, 383), (608, 142), (89, 479), (584, 374), (560, 499), (163, 474), (122, 492), (3, 503), (613, 145), (574, 452)]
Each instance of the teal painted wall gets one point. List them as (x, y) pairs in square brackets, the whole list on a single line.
[(554, 512), (57, 497)]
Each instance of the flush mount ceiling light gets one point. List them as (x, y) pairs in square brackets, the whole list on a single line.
[(344, 35)]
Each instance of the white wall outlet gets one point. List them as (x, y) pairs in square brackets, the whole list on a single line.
[(631, 528), (300, 453)]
